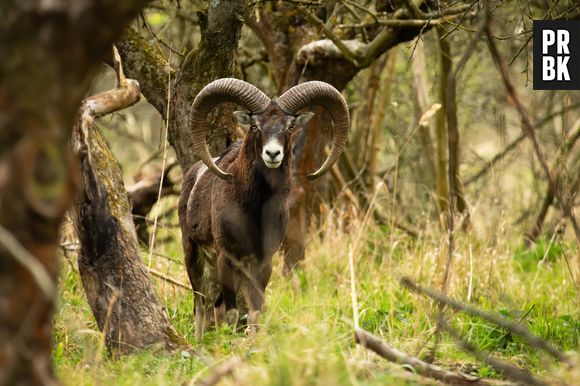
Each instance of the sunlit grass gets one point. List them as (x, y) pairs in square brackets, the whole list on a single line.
[(307, 328)]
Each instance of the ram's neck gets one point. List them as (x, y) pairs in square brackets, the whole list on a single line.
[(255, 183)]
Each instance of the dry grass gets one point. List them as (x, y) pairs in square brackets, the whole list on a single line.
[(307, 332)]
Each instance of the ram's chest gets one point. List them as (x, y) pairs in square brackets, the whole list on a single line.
[(253, 233)]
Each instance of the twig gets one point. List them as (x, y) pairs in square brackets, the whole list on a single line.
[(348, 54), (511, 372), (175, 12), (168, 279), (425, 369), (533, 340), (465, 11), (557, 170), (362, 8), (513, 145), (28, 260), (398, 23), (223, 370), (158, 39), (529, 127), (163, 167), (498, 157), (296, 2)]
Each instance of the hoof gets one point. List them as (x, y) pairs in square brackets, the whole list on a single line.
[(251, 330), (232, 317), (254, 318), (219, 315), (253, 322)]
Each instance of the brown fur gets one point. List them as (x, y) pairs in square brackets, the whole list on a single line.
[(243, 219)]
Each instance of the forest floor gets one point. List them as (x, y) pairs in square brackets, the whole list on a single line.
[(306, 335)]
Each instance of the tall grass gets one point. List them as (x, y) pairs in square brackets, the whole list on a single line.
[(306, 336)]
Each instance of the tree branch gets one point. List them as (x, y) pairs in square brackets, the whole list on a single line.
[(28, 261), (520, 376), (348, 54), (515, 328), (530, 130), (425, 369), (142, 62), (221, 371)]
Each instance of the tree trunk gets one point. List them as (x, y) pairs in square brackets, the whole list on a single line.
[(145, 194), (423, 103), (48, 53), (456, 196), (213, 58), (115, 279), (378, 117), (441, 130)]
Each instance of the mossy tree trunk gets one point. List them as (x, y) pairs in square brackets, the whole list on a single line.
[(114, 276), (49, 52)]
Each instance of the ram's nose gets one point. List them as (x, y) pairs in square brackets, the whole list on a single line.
[(273, 154)]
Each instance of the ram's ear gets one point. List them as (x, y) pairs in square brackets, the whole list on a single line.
[(243, 118), (303, 118)]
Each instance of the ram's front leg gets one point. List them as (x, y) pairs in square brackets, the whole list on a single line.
[(194, 267), (229, 283), (255, 296)]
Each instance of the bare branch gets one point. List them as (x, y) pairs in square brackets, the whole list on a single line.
[(511, 372), (28, 261), (530, 130), (125, 93), (513, 145), (223, 370), (425, 369), (168, 279), (348, 54), (533, 340)]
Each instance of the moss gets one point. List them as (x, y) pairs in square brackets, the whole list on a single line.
[(107, 169), (142, 62)]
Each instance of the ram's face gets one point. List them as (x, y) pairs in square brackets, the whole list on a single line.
[(273, 129)]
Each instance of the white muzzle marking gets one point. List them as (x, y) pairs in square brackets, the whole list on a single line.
[(273, 153)]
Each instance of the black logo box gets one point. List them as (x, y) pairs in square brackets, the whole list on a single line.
[(573, 28)]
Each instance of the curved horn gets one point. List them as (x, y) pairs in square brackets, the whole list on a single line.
[(220, 91), (323, 94)]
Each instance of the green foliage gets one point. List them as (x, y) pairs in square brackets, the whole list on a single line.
[(542, 250), (306, 334)]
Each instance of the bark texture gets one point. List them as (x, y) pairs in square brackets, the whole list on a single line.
[(115, 279), (49, 51)]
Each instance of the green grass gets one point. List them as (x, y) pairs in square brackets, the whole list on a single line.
[(306, 337)]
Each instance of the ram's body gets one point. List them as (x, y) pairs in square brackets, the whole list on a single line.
[(237, 204), (244, 220), (243, 217)]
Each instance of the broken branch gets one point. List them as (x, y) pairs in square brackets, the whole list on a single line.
[(425, 369), (533, 340), (221, 371), (511, 372)]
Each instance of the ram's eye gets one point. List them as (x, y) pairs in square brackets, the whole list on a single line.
[(253, 126)]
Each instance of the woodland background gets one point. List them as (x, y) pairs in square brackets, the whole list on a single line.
[(457, 175)]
